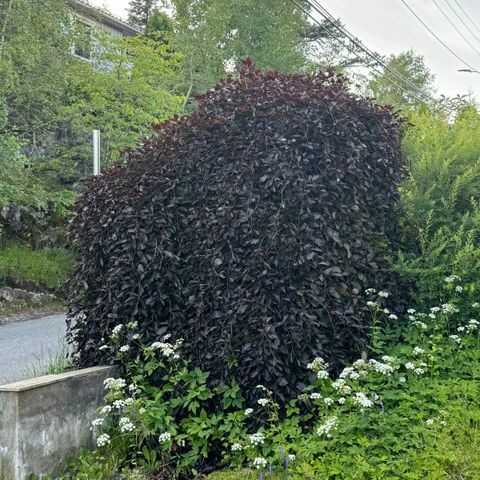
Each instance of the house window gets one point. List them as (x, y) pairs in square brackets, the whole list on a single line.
[(83, 43)]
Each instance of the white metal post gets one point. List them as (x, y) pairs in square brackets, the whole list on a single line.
[(96, 152)]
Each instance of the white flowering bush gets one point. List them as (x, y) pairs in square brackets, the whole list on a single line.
[(389, 407)]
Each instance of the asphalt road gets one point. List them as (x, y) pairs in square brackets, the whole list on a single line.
[(27, 348)]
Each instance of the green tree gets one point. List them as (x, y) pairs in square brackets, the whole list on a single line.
[(390, 90), (128, 87), (140, 11), (210, 33)]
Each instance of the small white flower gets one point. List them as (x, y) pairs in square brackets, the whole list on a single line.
[(459, 288), (236, 447), (362, 400), (119, 404), (124, 348), (411, 311), (370, 291), (103, 348), (429, 421), (291, 457), (142, 410), (432, 315), (263, 401), (136, 336), (386, 311), (402, 379), (165, 437), (435, 309), (476, 305), (132, 325), (383, 294), (98, 422), (419, 371), (259, 462), (342, 400), (418, 351), (126, 425), (322, 374), (328, 401), (409, 366), (452, 279), (329, 425), (114, 383), (315, 396), (103, 440), (106, 409), (372, 305), (248, 412), (456, 338), (460, 329), (257, 438), (392, 316)]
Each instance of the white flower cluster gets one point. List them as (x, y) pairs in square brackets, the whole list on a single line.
[(259, 462), (103, 439), (165, 437), (248, 412), (126, 425), (116, 332), (106, 409), (263, 401), (349, 372), (315, 396), (472, 325), (329, 425), (383, 368), (452, 279), (114, 383), (383, 294), (98, 422), (370, 291), (449, 308), (417, 370), (341, 387), (418, 351), (169, 350), (257, 438), (476, 305), (236, 447), (456, 339), (328, 401), (124, 348), (319, 366), (362, 400)]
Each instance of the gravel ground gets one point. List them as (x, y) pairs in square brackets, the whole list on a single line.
[(28, 347)]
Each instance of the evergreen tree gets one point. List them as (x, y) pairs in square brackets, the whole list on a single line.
[(140, 11)]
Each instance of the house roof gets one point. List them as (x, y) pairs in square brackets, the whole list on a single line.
[(104, 17)]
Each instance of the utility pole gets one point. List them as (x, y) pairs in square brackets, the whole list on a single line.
[(96, 152)]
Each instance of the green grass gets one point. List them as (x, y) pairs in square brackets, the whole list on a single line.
[(45, 268)]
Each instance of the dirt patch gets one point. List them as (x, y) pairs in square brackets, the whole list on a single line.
[(20, 311)]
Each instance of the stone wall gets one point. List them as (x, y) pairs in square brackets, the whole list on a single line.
[(45, 420)]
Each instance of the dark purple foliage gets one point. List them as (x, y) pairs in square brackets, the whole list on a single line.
[(249, 229)]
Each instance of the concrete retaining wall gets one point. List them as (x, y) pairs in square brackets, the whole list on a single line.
[(44, 420)]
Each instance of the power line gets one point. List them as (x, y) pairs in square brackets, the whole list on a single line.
[(454, 26), (377, 60), (326, 14), (467, 17), (437, 37)]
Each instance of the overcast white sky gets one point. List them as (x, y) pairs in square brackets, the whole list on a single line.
[(386, 26)]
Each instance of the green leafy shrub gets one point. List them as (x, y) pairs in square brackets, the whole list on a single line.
[(387, 416), (47, 269), (249, 228), (442, 204)]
